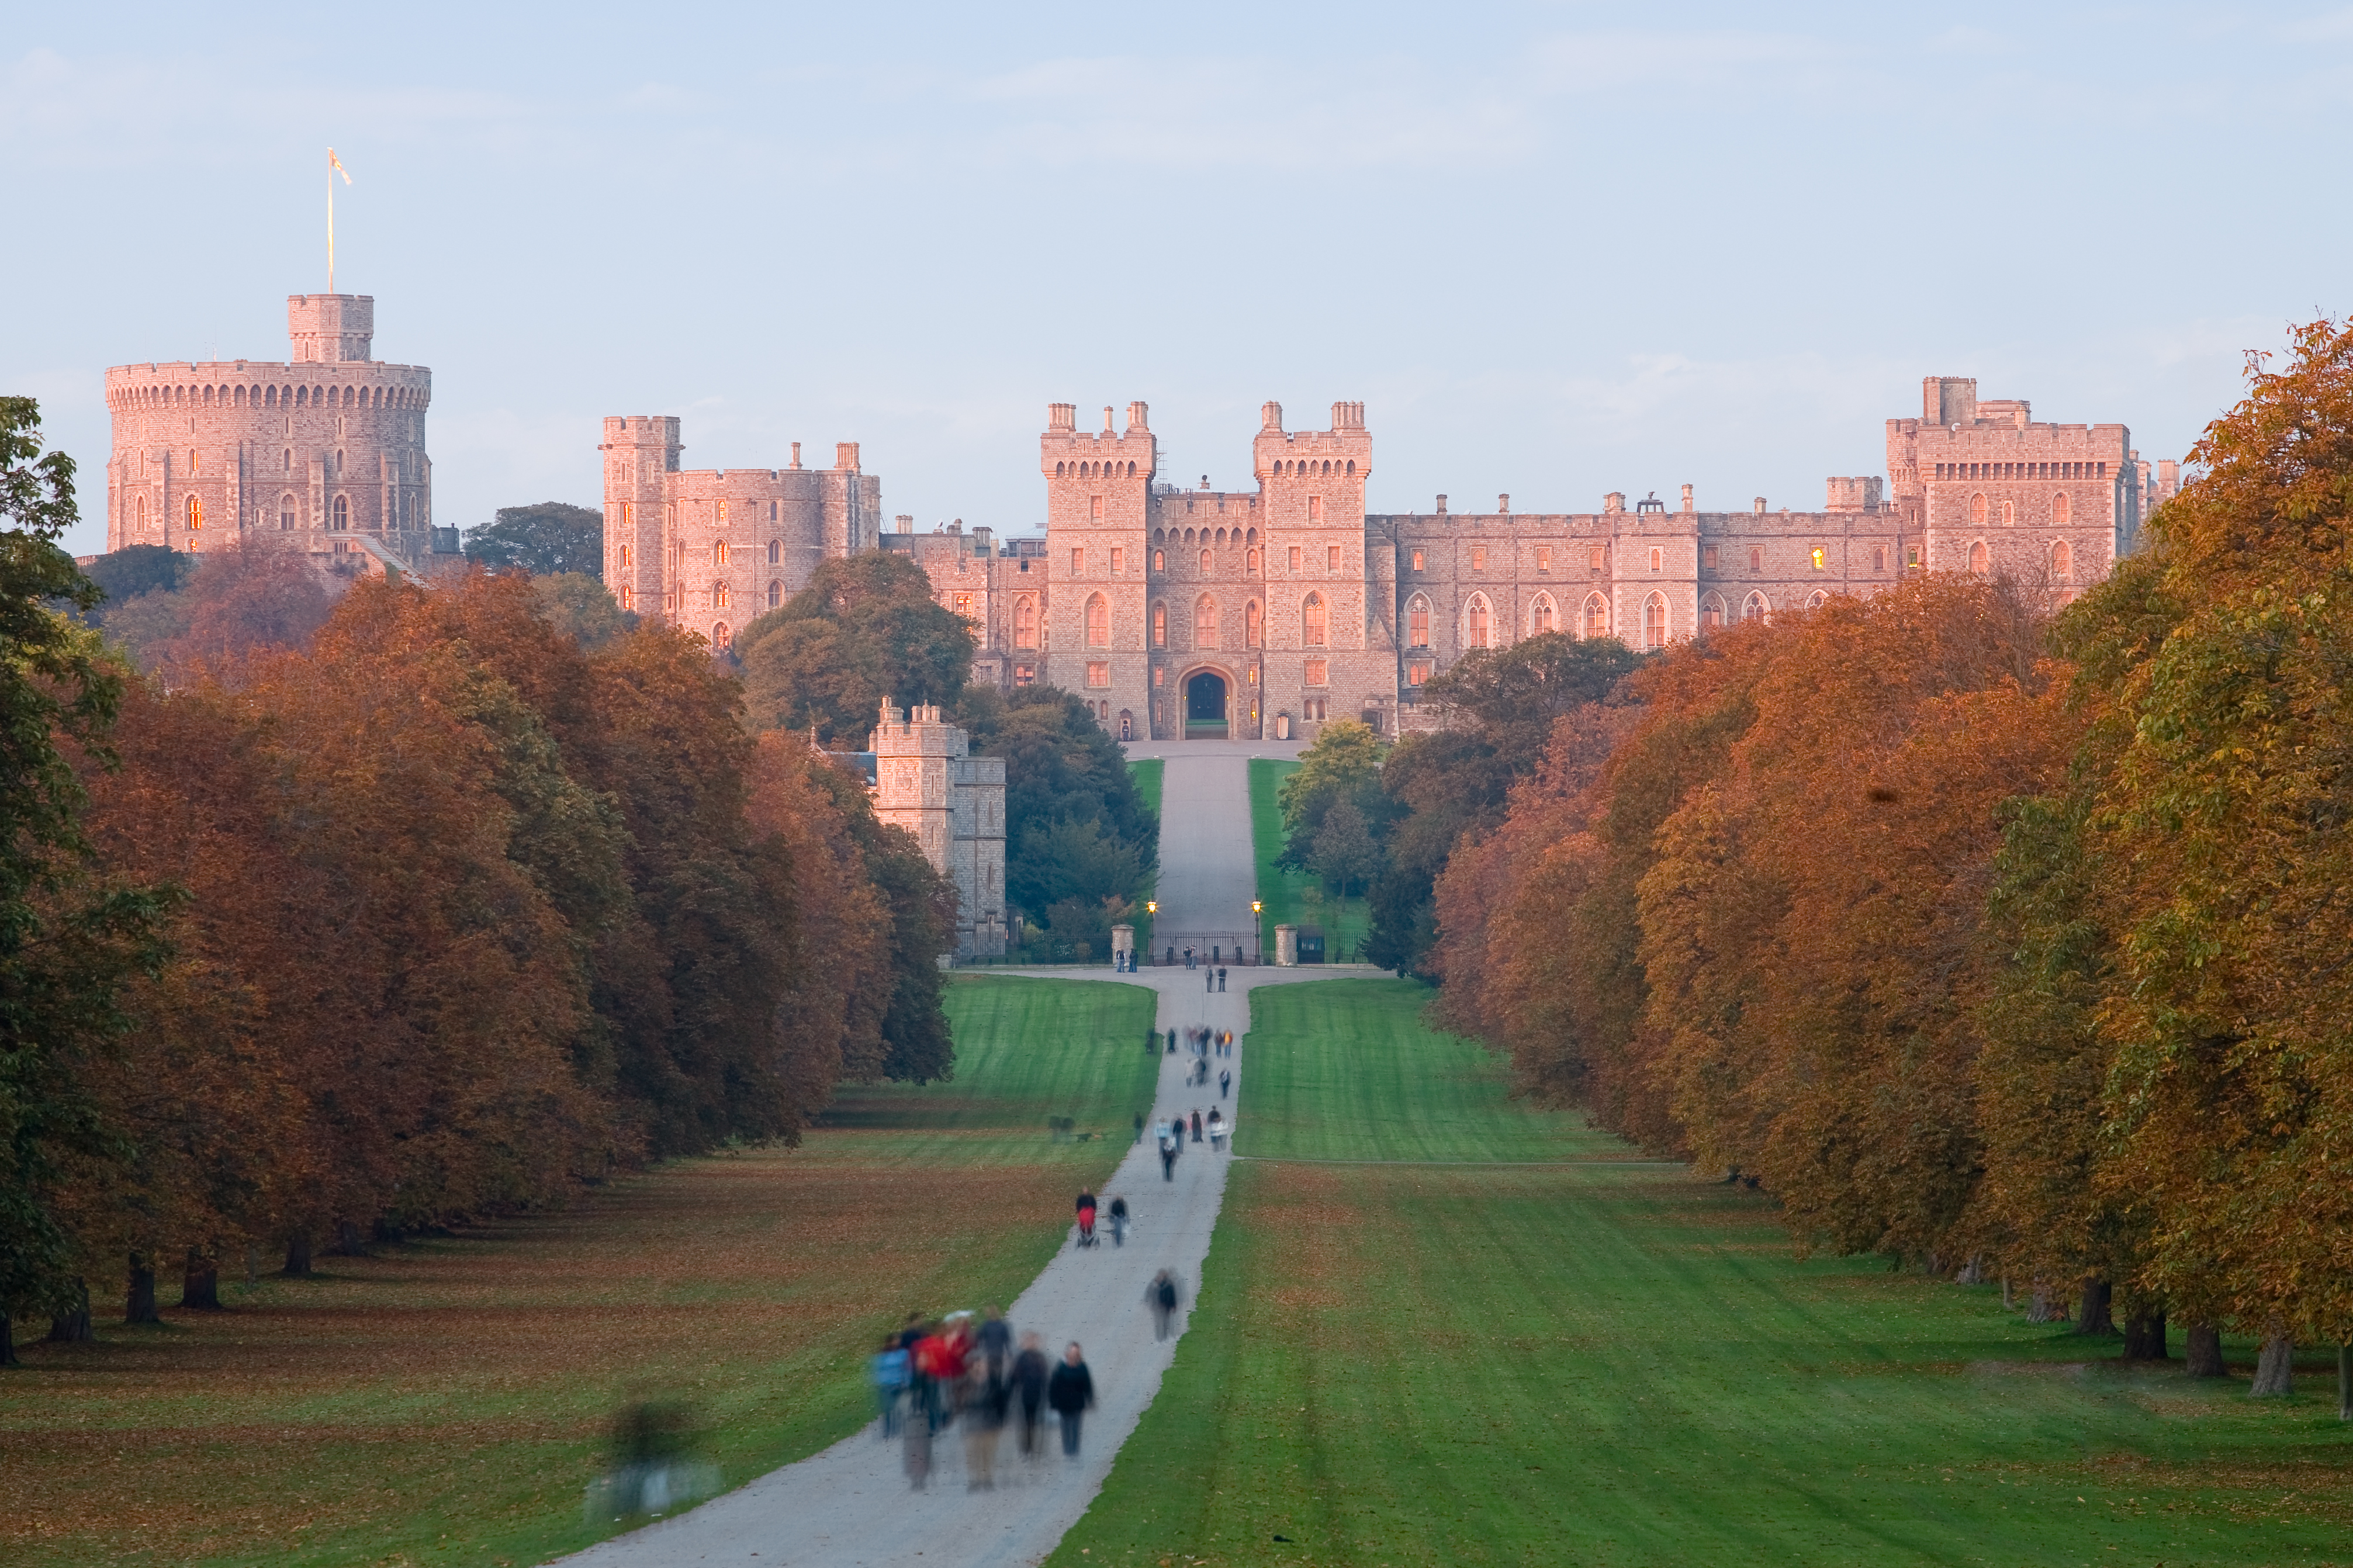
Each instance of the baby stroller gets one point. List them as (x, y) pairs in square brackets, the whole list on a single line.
[(1087, 1236)]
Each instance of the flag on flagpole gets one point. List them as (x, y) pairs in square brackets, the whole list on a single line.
[(337, 165)]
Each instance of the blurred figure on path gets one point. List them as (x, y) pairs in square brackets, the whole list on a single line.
[(1119, 1221), (1029, 1385), (1071, 1391), (996, 1347), (890, 1376), (1168, 1153), (1217, 1129), (1086, 1219), (1161, 1296), (1221, 980), (982, 1414), (1197, 1124), (1225, 1082)]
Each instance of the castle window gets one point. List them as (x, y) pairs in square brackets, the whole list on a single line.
[(1159, 626), (776, 594), (1253, 625), (1319, 672), (342, 512), (1544, 557), (1332, 558), (1313, 624), (1118, 560), (1479, 621), (1540, 616), (964, 606), (1314, 508), (720, 637), (1205, 563), (142, 513), (2063, 560), (1160, 560), (1596, 556), (1417, 672), (1757, 558), (1879, 558), (722, 511), (1658, 558), (772, 511), (1098, 621), (1094, 508), (719, 553), (289, 464), (2009, 513), (1819, 557), (2061, 508), (1024, 675), (1707, 557), (1597, 616), (625, 558), (1295, 558), (1157, 673), (1478, 558), (1099, 673), (1816, 599), (1025, 622), (628, 598), (1251, 564), (1654, 622), (286, 513), (1978, 556), (776, 551), (1754, 609), (1417, 622), (1977, 511), (1058, 471), (1078, 562), (1205, 623), (718, 596), (1711, 612), (1417, 561)]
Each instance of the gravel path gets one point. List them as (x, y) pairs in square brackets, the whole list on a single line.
[(850, 1506)]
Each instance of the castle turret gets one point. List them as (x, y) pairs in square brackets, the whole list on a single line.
[(1098, 514), (331, 328), (638, 451)]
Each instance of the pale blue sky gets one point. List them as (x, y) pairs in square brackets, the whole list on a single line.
[(1556, 249)]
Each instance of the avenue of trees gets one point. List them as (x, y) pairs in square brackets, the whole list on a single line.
[(2005, 942), (367, 916), (1082, 848)]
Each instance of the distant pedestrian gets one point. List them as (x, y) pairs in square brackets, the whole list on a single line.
[(1072, 1392), (996, 1348), (1221, 980), (1208, 979), (1168, 1154), (1139, 1127), (1119, 1222), (1161, 1297), (1217, 1131), (891, 1374), (1225, 1082), (1197, 1124), (1029, 1385)]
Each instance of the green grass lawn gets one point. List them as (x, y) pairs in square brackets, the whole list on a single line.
[(1286, 894), (446, 1399), (1589, 1362), (1148, 774)]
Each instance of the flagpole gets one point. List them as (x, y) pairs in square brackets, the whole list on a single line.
[(331, 220)]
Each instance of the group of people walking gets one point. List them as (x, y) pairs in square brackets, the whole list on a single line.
[(965, 1373)]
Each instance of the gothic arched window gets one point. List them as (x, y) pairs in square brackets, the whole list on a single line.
[(1597, 616), (720, 637), (1479, 622), (2063, 560), (775, 594), (1417, 622), (1204, 622), (776, 551), (1977, 511), (1025, 622), (1098, 622), (1978, 556), (1253, 625), (2061, 508), (1711, 612), (1540, 616), (1313, 627), (1159, 626), (1654, 621)]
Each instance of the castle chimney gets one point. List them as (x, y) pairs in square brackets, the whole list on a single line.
[(1441, 506), (1269, 417), (1503, 503), (1107, 429), (1687, 498), (1760, 506), (1614, 501), (797, 454), (1061, 417), (1135, 411), (845, 454)]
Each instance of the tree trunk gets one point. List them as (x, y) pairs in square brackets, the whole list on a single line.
[(2044, 1307), (2095, 1319), (1972, 1272), (2005, 1293), (347, 1241), (2275, 1371), (7, 1341), (2145, 1337), (73, 1328), (298, 1256), (200, 1281), (139, 1305), (2345, 1383), (2201, 1351)]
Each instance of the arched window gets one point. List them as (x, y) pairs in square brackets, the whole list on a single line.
[(776, 553), (1098, 622), (1204, 622), (1711, 613), (1816, 600), (1159, 626), (1253, 625), (719, 553), (1417, 622), (776, 594), (2009, 513), (1540, 616), (1160, 560), (1977, 511), (1313, 627), (1479, 622), (1025, 622), (1205, 563), (1654, 621), (142, 513), (2063, 560), (1753, 608), (286, 512), (1597, 616), (718, 596), (720, 637), (2061, 508), (342, 512), (1978, 556), (1252, 563), (287, 465)]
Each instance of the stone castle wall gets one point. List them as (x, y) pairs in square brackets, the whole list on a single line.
[(324, 452), (927, 781)]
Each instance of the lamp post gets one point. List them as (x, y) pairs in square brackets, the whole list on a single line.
[(1151, 907), (1258, 942)]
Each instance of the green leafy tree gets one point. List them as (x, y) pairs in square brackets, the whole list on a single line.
[(550, 539), (865, 628), (578, 605), (1344, 853), (66, 948), (1077, 833), (1343, 764), (124, 575)]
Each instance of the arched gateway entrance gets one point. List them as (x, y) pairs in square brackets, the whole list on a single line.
[(1206, 696)]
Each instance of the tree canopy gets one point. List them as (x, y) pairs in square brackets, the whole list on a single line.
[(548, 538), (866, 627)]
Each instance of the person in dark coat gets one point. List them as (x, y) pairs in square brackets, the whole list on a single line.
[(1072, 1392), (1030, 1383), (1162, 1297), (1196, 1126)]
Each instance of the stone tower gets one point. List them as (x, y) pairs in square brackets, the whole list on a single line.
[(1098, 513), (926, 782), (324, 452), (639, 451), (1328, 594)]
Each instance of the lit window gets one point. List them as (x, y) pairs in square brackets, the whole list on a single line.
[(1157, 674), (1478, 558), (1544, 557), (1098, 673), (1819, 557), (1024, 675), (1654, 623), (1912, 555), (719, 553), (1540, 617), (720, 637), (1478, 621), (1417, 560), (718, 596), (1159, 626), (196, 513), (2009, 513), (1205, 623), (1318, 672), (1312, 621), (1160, 560), (628, 598), (1597, 616), (722, 513), (1118, 560), (1098, 622), (964, 606), (1658, 558), (1417, 622)]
